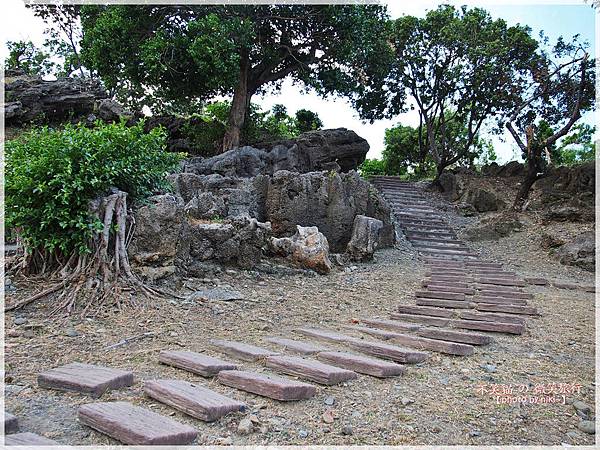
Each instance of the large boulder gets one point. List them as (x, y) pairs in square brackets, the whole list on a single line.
[(494, 228), (451, 186), (338, 149), (482, 200), (511, 169), (157, 232), (30, 99), (581, 252), (307, 248), (327, 200), (365, 238)]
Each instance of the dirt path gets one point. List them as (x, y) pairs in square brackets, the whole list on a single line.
[(439, 401)]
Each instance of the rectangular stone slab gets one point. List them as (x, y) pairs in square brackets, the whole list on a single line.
[(455, 336), (393, 325), (362, 364), (310, 369), (506, 294), (512, 309), (445, 284), (443, 303), (28, 439), (450, 288), (491, 317), (498, 327), (499, 300), (133, 425), (441, 295), (198, 363), (240, 350), (270, 386), (386, 351), (501, 281), (421, 343), (481, 264), (537, 281), (85, 378), (304, 348), (376, 332), (194, 400), (425, 310), (449, 279), (324, 335), (421, 318), (11, 423)]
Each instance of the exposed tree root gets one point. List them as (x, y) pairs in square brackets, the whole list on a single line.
[(94, 281)]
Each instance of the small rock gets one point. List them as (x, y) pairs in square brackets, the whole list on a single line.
[(587, 426), (216, 294), (225, 441), (173, 334), (20, 321), (71, 332), (13, 333), (245, 426), (329, 401), (475, 433), (347, 430), (573, 435), (582, 407), (406, 401), (302, 434), (490, 368), (328, 416), (357, 414)]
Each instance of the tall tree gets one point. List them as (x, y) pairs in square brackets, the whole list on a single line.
[(459, 66), (560, 87), (25, 56), (184, 54)]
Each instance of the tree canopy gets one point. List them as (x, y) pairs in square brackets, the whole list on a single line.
[(182, 55)]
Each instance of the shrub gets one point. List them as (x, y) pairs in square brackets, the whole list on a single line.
[(52, 175), (372, 167)]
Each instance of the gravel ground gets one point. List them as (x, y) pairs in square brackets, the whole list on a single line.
[(439, 401)]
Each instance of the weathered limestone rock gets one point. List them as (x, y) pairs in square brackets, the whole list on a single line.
[(482, 200), (451, 186), (365, 238), (494, 228), (581, 252), (327, 200), (308, 248), (31, 99), (511, 169), (312, 151), (205, 205)]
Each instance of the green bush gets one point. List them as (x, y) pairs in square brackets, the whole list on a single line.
[(372, 167), (52, 175)]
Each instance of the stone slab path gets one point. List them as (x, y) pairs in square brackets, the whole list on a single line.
[(463, 301)]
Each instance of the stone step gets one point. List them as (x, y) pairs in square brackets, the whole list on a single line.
[(432, 234), (483, 264), (310, 369), (427, 228), (431, 251), (569, 286), (271, 386), (420, 318), (492, 317), (419, 221), (498, 288), (304, 348), (439, 262), (11, 423), (499, 327), (362, 364), (393, 325), (441, 295), (194, 400), (323, 335), (506, 294), (385, 335), (441, 241), (28, 439), (499, 300), (455, 336), (442, 288), (537, 281), (424, 310), (453, 304), (450, 278), (429, 246), (197, 363), (445, 284), (501, 281), (437, 271), (240, 350), (85, 378), (493, 273), (421, 343), (133, 425), (512, 309), (387, 351)]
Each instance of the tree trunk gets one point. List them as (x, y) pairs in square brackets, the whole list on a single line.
[(239, 106), (523, 194), (534, 156)]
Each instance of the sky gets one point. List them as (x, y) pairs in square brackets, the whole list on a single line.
[(557, 18)]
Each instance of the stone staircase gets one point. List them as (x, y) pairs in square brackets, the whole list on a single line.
[(463, 302)]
